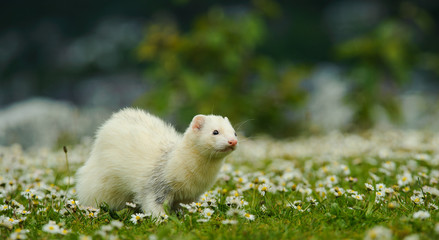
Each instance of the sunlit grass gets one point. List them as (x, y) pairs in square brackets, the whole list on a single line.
[(374, 187)]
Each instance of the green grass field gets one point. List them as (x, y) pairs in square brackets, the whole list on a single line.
[(376, 185)]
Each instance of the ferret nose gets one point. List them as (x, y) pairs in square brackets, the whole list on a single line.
[(233, 142)]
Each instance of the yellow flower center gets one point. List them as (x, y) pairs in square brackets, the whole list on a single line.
[(137, 217), (51, 228), (404, 179), (264, 189), (373, 235), (247, 215), (236, 194), (299, 207)]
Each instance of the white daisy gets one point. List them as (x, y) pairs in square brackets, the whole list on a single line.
[(51, 227), (421, 215), (138, 217)]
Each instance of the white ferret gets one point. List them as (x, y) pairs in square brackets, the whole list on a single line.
[(137, 157)]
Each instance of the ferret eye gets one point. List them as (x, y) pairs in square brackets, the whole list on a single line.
[(215, 132), (236, 135)]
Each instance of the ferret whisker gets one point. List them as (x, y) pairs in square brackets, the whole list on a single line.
[(240, 124)]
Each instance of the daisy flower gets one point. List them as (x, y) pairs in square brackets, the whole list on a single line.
[(19, 234), (321, 192), (393, 205), (138, 217), (28, 193), (22, 212), (405, 179), (305, 191), (203, 220), (369, 186), (4, 207), (63, 231), (433, 206), (207, 212), (378, 232), (358, 196), (233, 212), (353, 192), (51, 227), (263, 188), (249, 216), (380, 186), (71, 204), (345, 169), (190, 208), (337, 191), (130, 204), (312, 201), (331, 180), (116, 224), (162, 218), (228, 221), (421, 215), (389, 165), (418, 200)]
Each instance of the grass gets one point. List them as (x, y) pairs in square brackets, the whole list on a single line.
[(312, 188)]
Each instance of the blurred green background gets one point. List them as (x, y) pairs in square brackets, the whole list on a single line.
[(282, 68)]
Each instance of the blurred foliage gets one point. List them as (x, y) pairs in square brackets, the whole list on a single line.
[(220, 65), (215, 68), (249, 60), (381, 61)]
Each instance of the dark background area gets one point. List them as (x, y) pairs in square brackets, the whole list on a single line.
[(92, 53)]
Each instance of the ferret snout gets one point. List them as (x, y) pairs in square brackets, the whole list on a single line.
[(233, 142)]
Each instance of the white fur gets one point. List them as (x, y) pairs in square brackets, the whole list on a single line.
[(136, 157)]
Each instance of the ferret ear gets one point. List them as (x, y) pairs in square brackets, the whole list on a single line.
[(198, 122)]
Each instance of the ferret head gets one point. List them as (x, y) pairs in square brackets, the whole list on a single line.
[(212, 136)]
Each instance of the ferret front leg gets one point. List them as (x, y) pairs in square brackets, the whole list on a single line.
[(150, 205)]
